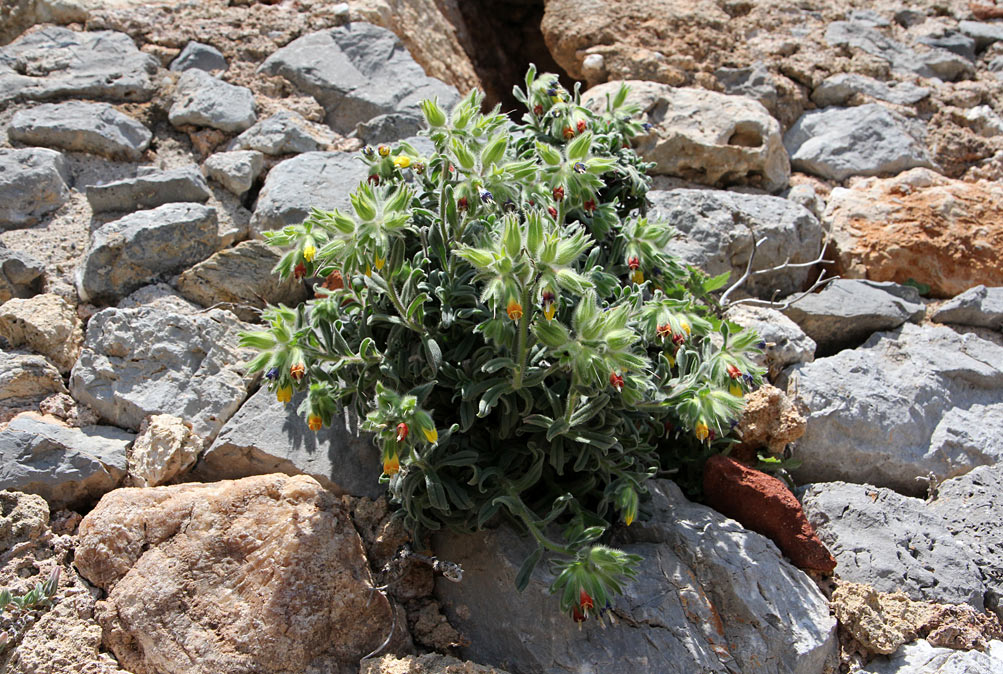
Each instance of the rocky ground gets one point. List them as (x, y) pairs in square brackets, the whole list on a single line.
[(196, 525)]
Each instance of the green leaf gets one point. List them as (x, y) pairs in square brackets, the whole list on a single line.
[(526, 570), (716, 282)]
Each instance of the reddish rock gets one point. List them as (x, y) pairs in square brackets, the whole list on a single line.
[(763, 504)]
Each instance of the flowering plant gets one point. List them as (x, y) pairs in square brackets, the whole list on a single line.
[(513, 330)]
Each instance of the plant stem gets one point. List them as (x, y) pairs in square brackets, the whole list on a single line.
[(522, 349), (392, 294), (572, 396)]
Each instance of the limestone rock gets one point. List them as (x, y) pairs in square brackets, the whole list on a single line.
[(754, 82), (33, 183), (75, 126), (199, 56), (20, 275), (921, 657), (843, 88), (936, 63), (920, 226), (125, 254), (285, 132), (979, 306), (137, 362), (696, 605), (366, 72), (430, 663), (265, 436), (149, 190), (68, 467), (784, 343), (46, 324), (23, 518), (770, 420), (388, 128), (953, 41), (237, 170), (27, 377), (984, 34), (261, 574), (164, 449), (203, 100), (713, 238), (848, 311), (910, 403), (56, 62), (704, 136), (241, 279), (867, 140), (159, 296)]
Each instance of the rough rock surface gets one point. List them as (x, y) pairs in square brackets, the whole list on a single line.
[(929, 404), (285, 132), (27, 377), (68, 467), (366, 73), (137, 362), (697, 604), (920, 226), (786, 343), (934, 63), (265, 436), (867, 140), (431, 663), (20, 275), (848, 89), (848, 311), (125, 254), (714, 235), (203, 100), (55, 62), (23, 518), (33, 183), (46, 324), (164, 449), (75, 126), (149, 190), (770, 421), (979, 306), (199, 56), (921, 657), (237, 170), (704, 136), (206, 578)]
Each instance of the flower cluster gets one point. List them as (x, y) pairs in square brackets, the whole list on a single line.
[(513, 330)]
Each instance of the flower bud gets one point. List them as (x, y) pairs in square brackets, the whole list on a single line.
[(383, 150), (314, 423), (434, 115), (514, 310), (391, 465), (284, 394), (616, 381), (402, 431)]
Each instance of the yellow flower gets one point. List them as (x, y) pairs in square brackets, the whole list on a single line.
[(378, 263), (369, 270), (383, 150), (392, 465), (686, 327), (628, 519), (309, 253), (284, 393), (431, 435), (637, 276), (736, 390), (314, 423), (402, 162), (701, 431), (550, 310)]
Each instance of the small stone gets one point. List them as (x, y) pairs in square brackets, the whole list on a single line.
[(23, 518), (594, 69), (46, 324), (237, 170), (868, 17), (430, 663), (909, 17), (20, 274), (164, 449), (203, 100), (755, 82), (952, 41), (770, 421), (839, 89), (785, 343), (984, 121), (286, 132), (979, 306), (983, 33), (149, 190), (388, 128), (25, 377), (97, 128), (33, 183), (199, 56)]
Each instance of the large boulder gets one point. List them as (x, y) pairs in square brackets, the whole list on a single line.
[(203, 100), (124, 254), (920, 226), (716, 229), (261, 574), (365, 72), (55, 62), (149, 190), (46, 324), (137, 362), (709, 596), (265, 436), (908, 404), (33, 183), (97, 128), (704, 136)]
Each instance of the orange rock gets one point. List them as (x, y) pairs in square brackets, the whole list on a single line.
[(919, 225), (764, 504)]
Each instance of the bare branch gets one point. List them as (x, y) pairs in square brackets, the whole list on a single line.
[(781, 306)]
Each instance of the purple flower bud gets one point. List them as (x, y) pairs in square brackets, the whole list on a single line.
[(273, 373), (486, 196)]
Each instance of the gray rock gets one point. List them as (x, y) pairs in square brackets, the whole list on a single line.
[(125, 254), (27, 377), (149, 191), (20, 275), (936, 63), (984, 121), (996, 66), (198, 56), (240, 279), (984, 34), (919, 657), (55, 62), (786, 343), (953, 41), (265, 436), (755, 82), (237, 170), (161, 297), (848, 311), (867, 16), (909, 17), (840, 88), (68, 467), (137, 362), (311, 180), (97, 128), (365, 72), (713, 238), (907, 404), (805, 195), (203, 100), (285, 132), (893, 543), (709, 597), (867, 140), (388, 128), (979, 306), (33, 183)]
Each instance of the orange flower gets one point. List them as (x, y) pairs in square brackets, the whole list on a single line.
[(314, 422), (514, 310), (616, 381), (391, 465), (297, 371), (402, 431)]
